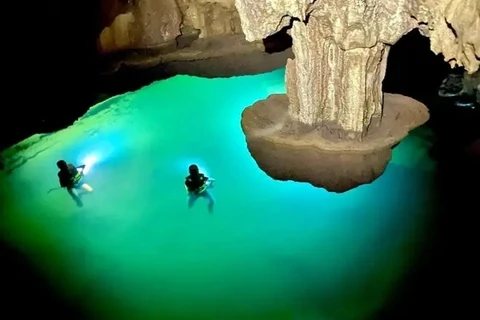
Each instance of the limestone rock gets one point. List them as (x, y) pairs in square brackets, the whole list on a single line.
[(158, 21), (340, 56), (211, 17), (287, 150), (146, 24), (322, 81), (110, 9), (140, 24), (341, 47), (334, 83), (261, 19), (454, 30), (119, 35)]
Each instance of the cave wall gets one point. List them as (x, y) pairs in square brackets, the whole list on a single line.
[(141, 24), (51, 79), (110, 9), (211, 17)]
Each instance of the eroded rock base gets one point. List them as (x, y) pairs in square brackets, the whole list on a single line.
[(286, 150), (213, 57), (209, 58)]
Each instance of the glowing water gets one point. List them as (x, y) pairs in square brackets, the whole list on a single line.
[(271, 250)]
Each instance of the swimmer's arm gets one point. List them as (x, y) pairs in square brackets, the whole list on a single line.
[(208, 179), (80, 169)]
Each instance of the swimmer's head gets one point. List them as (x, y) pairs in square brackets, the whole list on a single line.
[(62, 165), (193, 170)]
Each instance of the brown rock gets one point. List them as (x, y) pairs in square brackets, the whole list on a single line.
[(110, 9), (341, 47), (454, 29), (334, 84), (157, 22), (323, 74), (146, 24), (452, 25), (288, 150), (211, 17), (340, 60)]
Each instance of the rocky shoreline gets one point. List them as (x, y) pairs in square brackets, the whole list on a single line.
[(224, 56)]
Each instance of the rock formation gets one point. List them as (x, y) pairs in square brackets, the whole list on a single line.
[(453, 27), (463, 89), (157, 39), (141, 24), (335, 128), (210, 17), (452, 86), (471, 83)]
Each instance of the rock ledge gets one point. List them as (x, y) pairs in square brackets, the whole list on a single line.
[(287, 150)]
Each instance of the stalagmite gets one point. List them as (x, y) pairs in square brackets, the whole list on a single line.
[(335, 128)]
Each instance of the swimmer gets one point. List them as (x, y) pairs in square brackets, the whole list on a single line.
[(70, 177), (197, 185)]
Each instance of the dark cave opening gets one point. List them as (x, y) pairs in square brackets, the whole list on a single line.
[(414, 70), (279, 41), (53, 81), (446, 261)]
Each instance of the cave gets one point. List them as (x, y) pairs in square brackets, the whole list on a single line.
[(279, 41), (138, 92)]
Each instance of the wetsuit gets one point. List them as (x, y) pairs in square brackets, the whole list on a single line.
[(197, 186), (194, 184), (69, 178)]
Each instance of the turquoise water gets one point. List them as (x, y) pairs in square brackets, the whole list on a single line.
[(270, 250)]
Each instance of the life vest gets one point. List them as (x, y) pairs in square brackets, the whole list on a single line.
[(77, 178), (76, 175)]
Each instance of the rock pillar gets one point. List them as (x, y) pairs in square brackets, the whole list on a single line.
[(339, 90)]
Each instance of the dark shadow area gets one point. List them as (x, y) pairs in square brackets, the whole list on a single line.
[(440, 285), (25, 293), (279, 41), (49, 81), (414, 70), (51, 77), (131, 79)]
